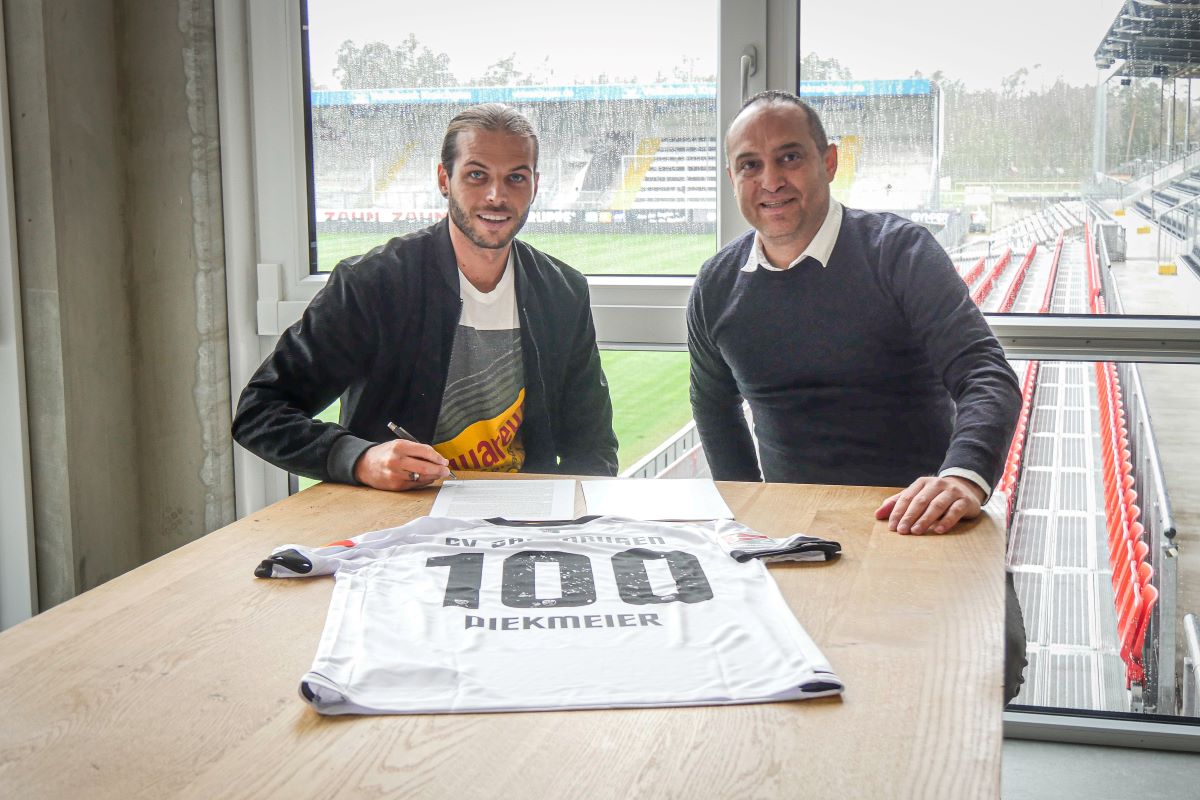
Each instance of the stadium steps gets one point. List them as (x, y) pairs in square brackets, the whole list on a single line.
[(1032, 285), (1191, 260), (392, 172), (1058, 540), (849, 150), (635, 173), (681, 176)]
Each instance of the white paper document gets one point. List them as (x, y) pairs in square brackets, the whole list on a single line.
[(533, 501), (668, 499)]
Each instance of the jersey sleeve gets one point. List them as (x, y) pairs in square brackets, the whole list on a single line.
[(301, 561)]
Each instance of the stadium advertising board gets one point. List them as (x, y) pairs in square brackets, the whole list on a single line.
[(471, 95)]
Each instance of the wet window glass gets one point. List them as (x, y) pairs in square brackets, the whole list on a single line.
[(628, 160), (1057, 160)]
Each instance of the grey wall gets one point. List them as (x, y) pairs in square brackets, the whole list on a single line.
[(117, 189)]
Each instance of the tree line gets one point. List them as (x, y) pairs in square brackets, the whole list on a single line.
[(1016, 132)]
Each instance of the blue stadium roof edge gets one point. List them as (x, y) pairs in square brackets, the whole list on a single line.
[(470, 95)]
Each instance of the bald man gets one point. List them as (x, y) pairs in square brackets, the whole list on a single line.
[(852, 338)]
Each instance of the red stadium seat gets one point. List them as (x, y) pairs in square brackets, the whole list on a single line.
[(1140, 550), (1145, 574), (1128, 615), (1125, 580), (1135, 670)]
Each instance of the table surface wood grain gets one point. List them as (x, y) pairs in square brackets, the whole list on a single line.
[(179, 680)]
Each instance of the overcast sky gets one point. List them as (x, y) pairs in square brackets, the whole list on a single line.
[(972, 40)]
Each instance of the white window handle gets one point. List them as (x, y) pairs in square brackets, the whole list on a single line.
[(749, 66)]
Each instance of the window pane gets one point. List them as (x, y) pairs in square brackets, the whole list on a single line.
[(1006, 155), (650, 401), (626, 115), (999, 151), (1100, 541)]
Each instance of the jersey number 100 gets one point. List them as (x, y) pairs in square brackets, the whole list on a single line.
[(578, 584)]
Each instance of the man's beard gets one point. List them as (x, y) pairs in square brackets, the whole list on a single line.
[(465, 224)]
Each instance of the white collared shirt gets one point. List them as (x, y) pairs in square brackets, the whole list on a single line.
[(820, 249)]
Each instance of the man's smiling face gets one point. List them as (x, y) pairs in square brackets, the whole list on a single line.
[(780, 177), (492, 186)]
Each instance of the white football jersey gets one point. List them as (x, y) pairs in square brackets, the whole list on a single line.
[(446, 615)]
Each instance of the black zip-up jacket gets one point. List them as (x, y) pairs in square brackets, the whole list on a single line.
[(380, 335)]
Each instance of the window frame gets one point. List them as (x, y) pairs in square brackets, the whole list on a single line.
[(259, 61)]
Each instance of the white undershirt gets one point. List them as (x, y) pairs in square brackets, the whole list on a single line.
[(490, 311)]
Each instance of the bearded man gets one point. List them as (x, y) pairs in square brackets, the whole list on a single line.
[(474, 343)]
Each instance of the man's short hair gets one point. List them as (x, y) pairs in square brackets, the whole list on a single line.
[(487, 117), (815, 128)]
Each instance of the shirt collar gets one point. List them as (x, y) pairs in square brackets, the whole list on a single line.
[(820, 248)]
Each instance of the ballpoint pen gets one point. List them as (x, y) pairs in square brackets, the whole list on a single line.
[(403, 434)]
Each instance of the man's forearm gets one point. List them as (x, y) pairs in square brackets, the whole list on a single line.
[(984, 423), (728, 447), (286, 437)]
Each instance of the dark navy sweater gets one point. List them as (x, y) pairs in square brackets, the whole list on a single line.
[(874, 370)]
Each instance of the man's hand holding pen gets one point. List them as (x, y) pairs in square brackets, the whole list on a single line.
[(400, 465)]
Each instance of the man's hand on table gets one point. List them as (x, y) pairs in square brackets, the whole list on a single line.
[(932, 505), (400, 465)]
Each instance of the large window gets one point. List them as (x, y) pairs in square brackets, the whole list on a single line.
[(1057, 170), (628, 160), (1104, 570), (980, 142), (628, 148), (628, 157)]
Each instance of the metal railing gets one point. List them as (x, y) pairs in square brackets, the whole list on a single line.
[(1182, 223), (660, 459), (1133, 190), (1150, 485), (1190, 705)]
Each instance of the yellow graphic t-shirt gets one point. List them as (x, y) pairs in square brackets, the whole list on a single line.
[(479, 426)]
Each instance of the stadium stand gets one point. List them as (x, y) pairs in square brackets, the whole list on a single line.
[(635, 171), (848, 148), (980, 292), (603, 168), (648, 150), (1081, 553), (682, 174)]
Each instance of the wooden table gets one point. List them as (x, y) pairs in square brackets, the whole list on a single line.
[(179, 679)]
